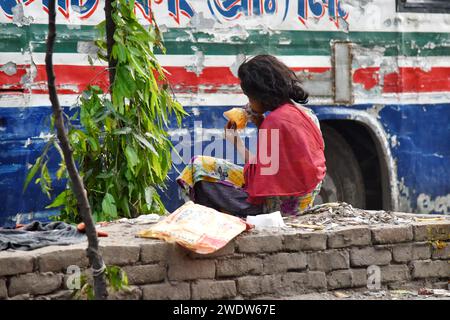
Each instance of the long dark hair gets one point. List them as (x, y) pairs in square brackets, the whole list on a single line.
[(266, 79)]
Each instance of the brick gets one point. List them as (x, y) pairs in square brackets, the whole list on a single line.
[(352, 278), (328, 260), (305, 241), (120, 255), (430, 269), (259, 243), (409, 252), (166, 291), (294, 283), (393, 273), (21, 297), (369, 256), (340, 279), (316, 280), (303, 282), (360, 236), (155, 251), (359, 278), (34, 283), (443, 253), (282, 262), (61, 295), (134, 293), (188, 269), (61, 259), (255, 285), (210, 289), (144, 274), (392, 234), (3, 289), (12, 265), (441, 285), (239, 267), (431, 231)]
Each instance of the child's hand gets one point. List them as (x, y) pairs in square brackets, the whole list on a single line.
[(257, 119), (253, 116)]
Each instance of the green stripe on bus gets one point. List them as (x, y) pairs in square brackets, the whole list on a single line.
[(179, 41)]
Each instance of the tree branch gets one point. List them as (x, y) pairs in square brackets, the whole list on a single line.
[(95, 258), (110, 30)]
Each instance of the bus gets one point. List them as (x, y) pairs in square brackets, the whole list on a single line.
[(378, 74)]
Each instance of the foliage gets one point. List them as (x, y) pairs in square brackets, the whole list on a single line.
[(122, 148), (116, 278)]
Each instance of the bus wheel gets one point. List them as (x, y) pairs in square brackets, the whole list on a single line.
[(344, 181)]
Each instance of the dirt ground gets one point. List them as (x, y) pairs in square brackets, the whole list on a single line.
[(364, 294)]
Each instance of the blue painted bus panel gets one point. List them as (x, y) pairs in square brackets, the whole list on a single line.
[(420, 150)]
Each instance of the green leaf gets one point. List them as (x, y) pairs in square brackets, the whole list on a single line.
[(93, 143), (32, 172), (145, 143), (59, 200), (132, 156), (138, 67), (45, 180), (120, 131), (149, 191), (62, 169), (105, 175), (109, 205)]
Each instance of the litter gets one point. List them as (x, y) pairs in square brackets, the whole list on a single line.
[(197, 228), (142, 219), (333, 215), (428, 219), (402, 293), (441, 292), (267, 221), (341, 295), (434, 292), (377, 294), (308, 226)]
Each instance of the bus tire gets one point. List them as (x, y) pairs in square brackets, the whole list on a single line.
[(344, 180)]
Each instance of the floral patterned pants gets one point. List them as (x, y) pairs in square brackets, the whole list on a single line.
[(228, 195)]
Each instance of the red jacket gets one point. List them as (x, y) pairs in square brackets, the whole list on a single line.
[(300, 156)]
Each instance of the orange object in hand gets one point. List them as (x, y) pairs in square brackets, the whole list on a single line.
[(238, 116)]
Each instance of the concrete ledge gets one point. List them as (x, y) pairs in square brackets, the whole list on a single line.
[(255, 264)]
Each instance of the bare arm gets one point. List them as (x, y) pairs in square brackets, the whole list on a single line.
[(233, 136)]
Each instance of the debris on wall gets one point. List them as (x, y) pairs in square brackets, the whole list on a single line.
[(19, 18), (197, 65), (10, 68)]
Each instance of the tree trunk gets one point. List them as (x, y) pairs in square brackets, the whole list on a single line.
[(93, 254), (110, 30)]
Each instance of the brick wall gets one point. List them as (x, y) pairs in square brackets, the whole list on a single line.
[(254, 264)]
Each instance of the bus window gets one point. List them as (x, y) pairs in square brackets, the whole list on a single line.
[(423, 6)]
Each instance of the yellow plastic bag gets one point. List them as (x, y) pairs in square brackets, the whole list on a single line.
[(197, 228), (238, 116)]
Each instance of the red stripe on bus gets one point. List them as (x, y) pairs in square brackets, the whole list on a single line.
[(417, 80), (74, 79), (406, 80)]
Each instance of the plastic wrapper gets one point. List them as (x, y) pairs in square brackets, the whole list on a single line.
[(197, 228)]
